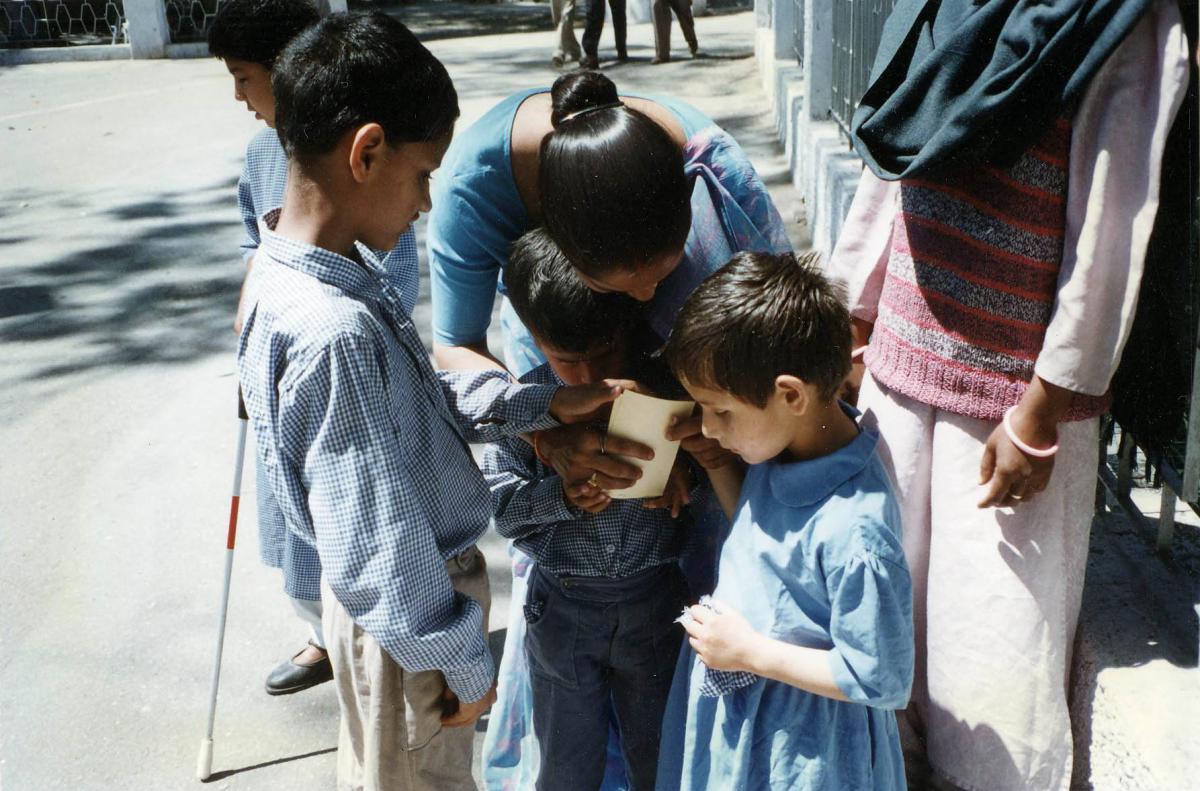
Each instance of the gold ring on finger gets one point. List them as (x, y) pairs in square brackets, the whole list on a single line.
[(594, 481)]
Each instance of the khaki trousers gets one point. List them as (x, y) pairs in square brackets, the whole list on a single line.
[(562, 14), (391, 736)]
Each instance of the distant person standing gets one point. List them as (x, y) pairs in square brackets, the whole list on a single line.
[(662, 28), (593, 28), (562, 13)]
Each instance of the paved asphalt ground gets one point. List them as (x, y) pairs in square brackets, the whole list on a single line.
[(118, 277)]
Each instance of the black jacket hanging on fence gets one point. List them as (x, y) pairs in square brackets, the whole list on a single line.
[(958, 82)]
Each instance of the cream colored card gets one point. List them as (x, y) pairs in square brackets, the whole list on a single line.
[(644, 419)]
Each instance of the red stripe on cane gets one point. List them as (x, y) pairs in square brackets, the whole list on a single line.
[(233, 511)]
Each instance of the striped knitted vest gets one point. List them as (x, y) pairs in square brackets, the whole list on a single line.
[(971, 283)]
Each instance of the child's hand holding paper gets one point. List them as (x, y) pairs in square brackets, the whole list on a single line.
[(645, 419)]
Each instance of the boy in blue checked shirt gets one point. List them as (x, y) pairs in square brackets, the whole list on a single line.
[(606, 585), (248, 35), (364, 445)]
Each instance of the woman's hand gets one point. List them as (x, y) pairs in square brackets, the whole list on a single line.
[(675, 496), (848, 392), (860, 336), (1013, 477), (721, 637), (579, 452), (708, 453)]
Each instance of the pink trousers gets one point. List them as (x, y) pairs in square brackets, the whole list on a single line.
[(996, 597)]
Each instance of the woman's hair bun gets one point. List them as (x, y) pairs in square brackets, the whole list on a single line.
[(578, 91)]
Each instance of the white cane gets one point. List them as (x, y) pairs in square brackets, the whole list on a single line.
[(204, 763)]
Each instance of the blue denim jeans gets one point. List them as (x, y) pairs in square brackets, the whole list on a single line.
[(591, 640)]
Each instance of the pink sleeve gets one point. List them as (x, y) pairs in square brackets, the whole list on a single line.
[(859, 259), (1118, 136)]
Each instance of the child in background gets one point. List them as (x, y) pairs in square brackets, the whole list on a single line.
[(795, 669), (365, 446), (248, 35), (606, 584)]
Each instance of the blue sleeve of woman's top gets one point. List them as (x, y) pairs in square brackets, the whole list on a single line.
[(469, 237), (870, 623), (477, 214)]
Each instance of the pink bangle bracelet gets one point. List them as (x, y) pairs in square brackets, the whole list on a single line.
[(1028, 450)]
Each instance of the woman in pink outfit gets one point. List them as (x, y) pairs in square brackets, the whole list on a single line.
[(992, 302)]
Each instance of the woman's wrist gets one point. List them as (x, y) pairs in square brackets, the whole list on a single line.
[(1036, 417)]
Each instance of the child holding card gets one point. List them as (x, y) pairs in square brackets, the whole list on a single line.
[(606, 584), (796, 669)]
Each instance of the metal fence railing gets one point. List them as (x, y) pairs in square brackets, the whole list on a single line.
[(857, 26), (188, 20), (40, 23)]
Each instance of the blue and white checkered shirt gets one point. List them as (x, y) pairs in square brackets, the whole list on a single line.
[(365, 447), (529, 506), (260, 189)]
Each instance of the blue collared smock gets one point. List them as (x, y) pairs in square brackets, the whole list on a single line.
[(260, 190), (813, 559), (365, 448)]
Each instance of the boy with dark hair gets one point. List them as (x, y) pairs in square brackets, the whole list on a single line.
[(606, 583), (247, 36), (799, 661), (364, 445)]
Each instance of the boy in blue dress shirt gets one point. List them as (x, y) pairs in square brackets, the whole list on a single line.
[(248, 35), (364, 445), (606, 583), (795, 669)]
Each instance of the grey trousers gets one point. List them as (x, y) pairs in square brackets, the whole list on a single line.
[(662, 26), (391, 736)]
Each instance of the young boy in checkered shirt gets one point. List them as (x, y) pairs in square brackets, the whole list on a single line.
[(248, 36), (364, 444), (606, 585)]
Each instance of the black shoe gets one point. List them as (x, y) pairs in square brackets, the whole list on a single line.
[(290, 677), (589, 62), (622, 55)]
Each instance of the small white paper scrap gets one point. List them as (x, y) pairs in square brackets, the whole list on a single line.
[(645, 419)]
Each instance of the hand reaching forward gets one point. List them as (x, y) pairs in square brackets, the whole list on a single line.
[(581, 403)]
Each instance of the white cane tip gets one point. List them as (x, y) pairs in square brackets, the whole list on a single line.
[(204, 762)]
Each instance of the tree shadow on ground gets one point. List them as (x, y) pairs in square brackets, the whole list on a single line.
[(160, 289)]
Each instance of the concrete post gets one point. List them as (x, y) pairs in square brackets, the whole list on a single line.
[(818, 57), (784, 23), (148, 31)]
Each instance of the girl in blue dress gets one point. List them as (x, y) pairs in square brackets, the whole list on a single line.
[(796, 666)]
